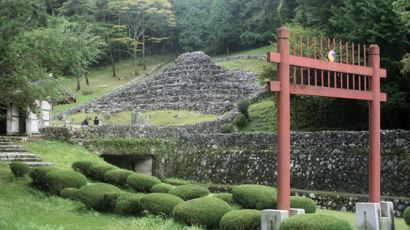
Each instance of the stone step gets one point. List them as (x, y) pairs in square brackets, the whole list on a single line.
[(9, 145), (17, 155), (5, 143), (12, 150), (25, 159), (34, 164)]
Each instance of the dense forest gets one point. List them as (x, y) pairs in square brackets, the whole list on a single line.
[(41, 40)]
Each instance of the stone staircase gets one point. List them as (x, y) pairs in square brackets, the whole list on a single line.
[(10, 152)]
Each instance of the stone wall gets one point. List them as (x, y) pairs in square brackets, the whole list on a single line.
[(240, 57)]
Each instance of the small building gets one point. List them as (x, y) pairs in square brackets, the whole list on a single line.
[(14, 122)]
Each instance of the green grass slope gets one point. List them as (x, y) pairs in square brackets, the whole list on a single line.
[(262, 115)]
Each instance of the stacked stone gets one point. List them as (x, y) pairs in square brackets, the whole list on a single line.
[(194, 82)]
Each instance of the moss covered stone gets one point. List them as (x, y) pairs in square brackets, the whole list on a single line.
[(82, 166), (162, 188), (128, 203), (38, 177), (204, 211), (141, 182), (254, 196), (58, 180), (97, 172), (19, 169), (245, 219), (304, 203), (92, 195), (190, 191), (160, 203), (315, 222), (227, 197), (117, 176)]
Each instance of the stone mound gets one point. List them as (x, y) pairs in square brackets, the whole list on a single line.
[(194, 82)]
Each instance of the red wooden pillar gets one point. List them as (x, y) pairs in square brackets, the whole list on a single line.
[(374, 127), (283, 179)]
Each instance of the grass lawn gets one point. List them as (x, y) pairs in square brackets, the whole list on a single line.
[(262, 115), (102, 82), (263, 50), (156, 118), (254, 66)]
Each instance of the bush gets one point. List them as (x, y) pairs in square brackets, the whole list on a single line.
[(227, 197), (245, 219), (129, 203), (141, 182), (241, 120), (176, 181), (189, 191), (162, 188), (243, 107), (406, 215), (38, 177), (302, 202), (227, 128), (254, 196), (204, 211), (97, 172), (92, 196), (315, 222), (82, 166), (58, 180), (117, 176), (19, 169), (69, 193), (160, 203)]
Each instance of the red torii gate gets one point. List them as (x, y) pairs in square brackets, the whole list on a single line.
[(350, 78)]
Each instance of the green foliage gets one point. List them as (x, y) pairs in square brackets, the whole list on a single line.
[(177, 181), (245, 219), (241, 121), (160, 203), (19, 169), (38, 177), (162, 188), (227, 128), (205, 211), (117, 176), (302, 202), (227, 197), (97, 172), (254, 196), (243, 106), (92, 196), (83, 166), (59, 179), (190, 191), (142, 182), (268, 74), (315, 222), (406, 215), (69, 193), (129, 203)]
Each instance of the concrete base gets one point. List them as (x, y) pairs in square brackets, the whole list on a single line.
[(375, 216), (271, 219)]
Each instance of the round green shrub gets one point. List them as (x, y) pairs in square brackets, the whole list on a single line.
[(254, 196), (245, 219), (160, 203), (243, 107), (82, 166), (241, 120), (58, 179), (406, 215), (227, 197), (315, 222), (117, 176), (38, 177), (141, 182), (176, 181), (162, 188), (189, 191), (204, 211), (92, 196), (97, 172), (69, 193), (302, 202), (129, 203), (19, 169), (227, 128)]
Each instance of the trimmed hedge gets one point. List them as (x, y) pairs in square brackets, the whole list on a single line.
[(302, 202), (129, 203), (160, 203), (19, 169), (406, 215), (117, 176), (204, 211), (82, 166), (315, 222), (97, 172), (190, 191), (69, 193), (92, 196), (245, 219), (254, 196), (38, 177), (141, 182), (176, 181), (162, 188), (58, 180), (227, 197)]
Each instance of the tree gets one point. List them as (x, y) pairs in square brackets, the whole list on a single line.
[(286, 10)]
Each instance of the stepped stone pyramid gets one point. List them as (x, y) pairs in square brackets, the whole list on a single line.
[(10, 152), (194, 82)]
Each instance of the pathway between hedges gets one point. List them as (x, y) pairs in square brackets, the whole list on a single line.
[(10, 152)]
